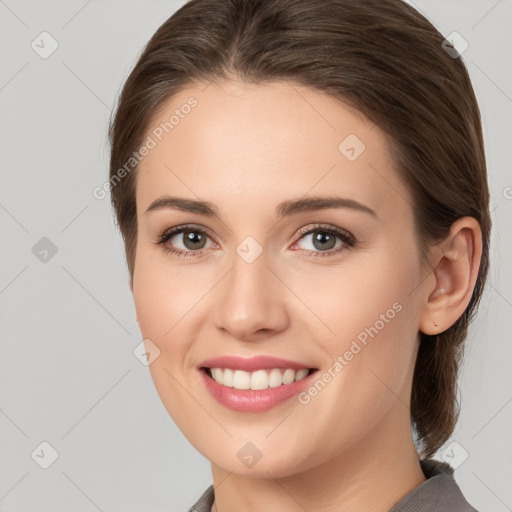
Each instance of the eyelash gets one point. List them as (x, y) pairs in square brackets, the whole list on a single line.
[(348, 240)]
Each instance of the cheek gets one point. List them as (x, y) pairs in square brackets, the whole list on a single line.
[(372, 316), (164, 301), (360, 295), (163, 295)]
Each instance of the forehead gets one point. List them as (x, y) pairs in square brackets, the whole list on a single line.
[(259, 143)]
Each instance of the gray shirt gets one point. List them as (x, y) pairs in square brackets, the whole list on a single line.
[(439, 493)]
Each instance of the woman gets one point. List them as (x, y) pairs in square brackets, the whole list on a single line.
[(250, 134)]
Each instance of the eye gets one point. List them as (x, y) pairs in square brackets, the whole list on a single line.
[(187, 241), (324, 241)]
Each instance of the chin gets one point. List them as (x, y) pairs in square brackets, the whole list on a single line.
[(251, 462)]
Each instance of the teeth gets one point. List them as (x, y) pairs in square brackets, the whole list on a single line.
[(218, 375), (275, 378), (288, 376), (242, 380), (301, 374), (229, 375), (257, 380)]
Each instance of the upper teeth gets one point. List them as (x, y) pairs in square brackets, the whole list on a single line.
[(260, 379)]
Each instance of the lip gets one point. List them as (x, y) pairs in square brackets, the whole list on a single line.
[(251, 364), (250, 400)]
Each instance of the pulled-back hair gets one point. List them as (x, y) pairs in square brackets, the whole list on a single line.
[(379, 56)]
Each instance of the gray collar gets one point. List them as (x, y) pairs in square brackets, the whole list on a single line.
[(439, 493)]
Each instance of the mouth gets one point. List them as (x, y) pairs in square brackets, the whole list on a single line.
[(254, 384)]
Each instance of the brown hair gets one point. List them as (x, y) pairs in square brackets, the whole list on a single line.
[(383, 58)]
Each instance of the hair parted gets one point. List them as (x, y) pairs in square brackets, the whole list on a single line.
[(381, 57)]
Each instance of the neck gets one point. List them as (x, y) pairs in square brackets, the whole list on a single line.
[(371, 475)]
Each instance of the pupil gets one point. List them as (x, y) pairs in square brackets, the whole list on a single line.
[(192, 238), (323, 237)]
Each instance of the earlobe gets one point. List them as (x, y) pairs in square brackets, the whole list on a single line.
[(457, 260)]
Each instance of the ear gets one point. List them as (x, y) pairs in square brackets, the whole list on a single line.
[(448, 290)]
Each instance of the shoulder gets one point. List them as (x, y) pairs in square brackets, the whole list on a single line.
[(205, 502), (439, 493)]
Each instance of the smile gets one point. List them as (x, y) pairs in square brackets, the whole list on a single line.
[(254, 384)]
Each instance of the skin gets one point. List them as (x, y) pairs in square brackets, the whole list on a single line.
[(245, 148)]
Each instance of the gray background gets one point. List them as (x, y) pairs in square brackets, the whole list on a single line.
[(68, 374)]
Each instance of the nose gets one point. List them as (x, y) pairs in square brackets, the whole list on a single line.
[(250, 303)]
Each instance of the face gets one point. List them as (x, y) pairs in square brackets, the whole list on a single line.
[(260, 266)]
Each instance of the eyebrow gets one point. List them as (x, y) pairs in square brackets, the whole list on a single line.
[(284, 209)]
